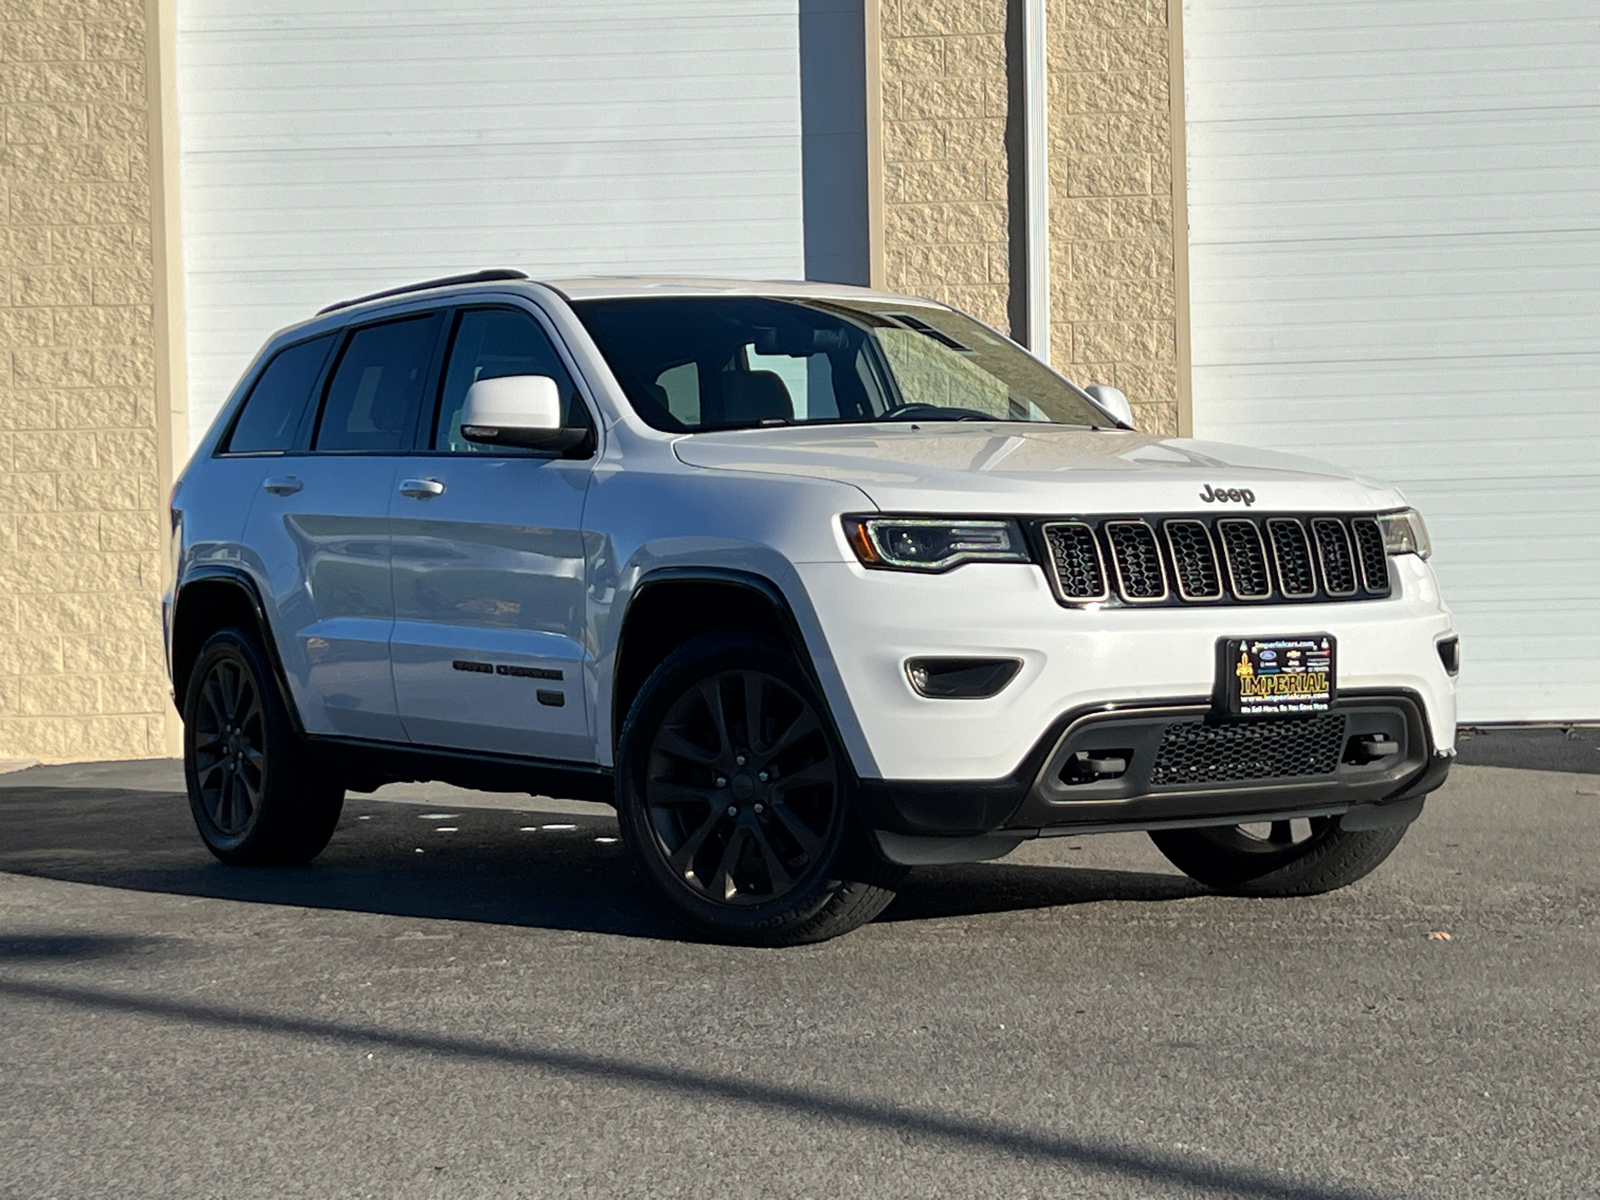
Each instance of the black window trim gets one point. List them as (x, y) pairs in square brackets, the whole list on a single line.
[(247, 389), (427, 431), (306, 441)]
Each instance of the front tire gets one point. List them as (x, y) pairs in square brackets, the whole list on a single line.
[(734, 798), (257, 796), (1280, 858)]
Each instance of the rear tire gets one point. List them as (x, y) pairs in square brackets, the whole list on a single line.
[(256, 790), (1237, 860), (734, 798)]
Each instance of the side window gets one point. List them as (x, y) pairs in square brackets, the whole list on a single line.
[(272, 411), (376, 388), (490, 343)]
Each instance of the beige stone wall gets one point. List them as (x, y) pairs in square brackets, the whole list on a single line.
[(81, 673), (943, 71), (1113, 299), (1113, 305)]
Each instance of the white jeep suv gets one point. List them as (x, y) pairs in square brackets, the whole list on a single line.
[(812, 583)]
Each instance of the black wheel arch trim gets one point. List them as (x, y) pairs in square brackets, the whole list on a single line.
[(752, 582), (247, 586)]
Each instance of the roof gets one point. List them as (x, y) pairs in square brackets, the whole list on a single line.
[(611, 287)]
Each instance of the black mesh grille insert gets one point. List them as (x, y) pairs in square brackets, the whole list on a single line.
[(1192, 752), (1333, 554), (1369, 548), (1194, 560), (1137, 559), (1290, 550), (1075, 558), (1247, 559)]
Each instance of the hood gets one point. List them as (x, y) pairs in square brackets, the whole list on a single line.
[(976, 468)]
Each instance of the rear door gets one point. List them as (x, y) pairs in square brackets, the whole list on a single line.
[(321, 528), (488, 645)]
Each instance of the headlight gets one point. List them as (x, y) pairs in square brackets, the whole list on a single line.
[(916, 544), (1404, 533)]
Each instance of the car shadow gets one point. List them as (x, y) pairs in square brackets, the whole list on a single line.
[(536, 869)]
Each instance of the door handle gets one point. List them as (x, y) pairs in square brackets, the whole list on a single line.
[(284, 485), (421, 489)]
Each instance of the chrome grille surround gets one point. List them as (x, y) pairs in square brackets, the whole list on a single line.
[(1195, 570), (1371, 554), (1178, 559), (1245, 552), (1291, 554), (1335, 556), (1077, 564), (1136, 559)]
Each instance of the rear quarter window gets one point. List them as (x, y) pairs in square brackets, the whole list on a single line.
[(277, 401)]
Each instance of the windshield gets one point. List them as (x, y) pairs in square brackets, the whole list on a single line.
[(690, 363)]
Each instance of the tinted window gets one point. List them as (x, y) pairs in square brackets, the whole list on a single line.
[(271, 415), (376, 388), (490, 343), (729, 362)]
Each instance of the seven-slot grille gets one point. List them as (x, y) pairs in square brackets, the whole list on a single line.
[(1195, 560)]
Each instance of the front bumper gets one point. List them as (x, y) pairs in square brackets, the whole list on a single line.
[(1073, 659), (1180, 767)]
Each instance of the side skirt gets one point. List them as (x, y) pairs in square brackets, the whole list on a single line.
[(367, 766)]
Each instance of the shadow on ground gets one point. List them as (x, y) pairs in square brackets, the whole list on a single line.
[(549, 870)]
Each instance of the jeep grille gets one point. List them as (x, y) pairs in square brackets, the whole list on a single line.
[(1232, 559)]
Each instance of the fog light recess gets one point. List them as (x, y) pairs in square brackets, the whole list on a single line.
[(961, 678)]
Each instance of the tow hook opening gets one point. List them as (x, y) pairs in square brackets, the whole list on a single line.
[(1091, 766), (1365, 748)]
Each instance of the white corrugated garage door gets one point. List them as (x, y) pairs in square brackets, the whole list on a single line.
[(331, 147), (1395, 252)]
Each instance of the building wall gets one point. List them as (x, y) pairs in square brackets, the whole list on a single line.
[(946, 90), (945, 215), (80, 481), (1113, 302)]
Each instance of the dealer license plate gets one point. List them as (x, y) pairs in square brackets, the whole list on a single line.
[(1277, 676)]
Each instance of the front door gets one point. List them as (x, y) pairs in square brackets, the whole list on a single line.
[(488, 646), (321, 527)]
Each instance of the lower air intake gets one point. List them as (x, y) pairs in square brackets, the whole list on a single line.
[(1192, 752)]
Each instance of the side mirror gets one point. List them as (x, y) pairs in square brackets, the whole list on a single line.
[(1113, 401), (517, 410)]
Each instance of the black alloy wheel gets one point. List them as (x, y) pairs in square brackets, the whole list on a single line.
[(230, 746), (734, 797), (742, 788), (1300, 857), (258, 794)]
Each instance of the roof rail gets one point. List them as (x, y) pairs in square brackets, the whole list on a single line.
[(428, 284)]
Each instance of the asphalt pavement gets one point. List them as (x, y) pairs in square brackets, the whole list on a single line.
[(473, 995)]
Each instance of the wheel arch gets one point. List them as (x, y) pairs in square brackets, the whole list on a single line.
[(211, 599), (671, 605)]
